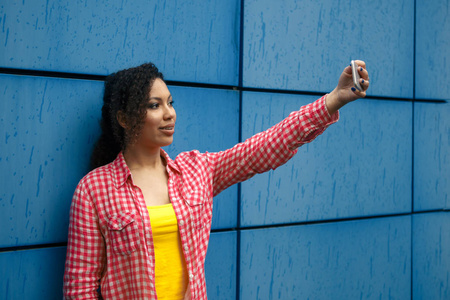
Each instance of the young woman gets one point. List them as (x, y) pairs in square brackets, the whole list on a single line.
[(140, 222)]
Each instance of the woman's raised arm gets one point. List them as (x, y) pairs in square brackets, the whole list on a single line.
[(275, 146)]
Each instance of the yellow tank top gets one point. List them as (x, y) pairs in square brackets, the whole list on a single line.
[(170, 270)]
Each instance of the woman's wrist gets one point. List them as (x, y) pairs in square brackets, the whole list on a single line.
[(333, 103)]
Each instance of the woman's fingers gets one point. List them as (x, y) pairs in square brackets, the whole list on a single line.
[(364, 83), (364, 74), (361, 63), (360, 94)]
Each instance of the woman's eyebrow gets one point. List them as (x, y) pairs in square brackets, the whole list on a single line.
[(159, 98)]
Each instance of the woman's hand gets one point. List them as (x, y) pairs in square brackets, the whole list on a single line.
[(345, 91)]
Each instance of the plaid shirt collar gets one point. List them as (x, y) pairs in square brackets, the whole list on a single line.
[(121, 172)]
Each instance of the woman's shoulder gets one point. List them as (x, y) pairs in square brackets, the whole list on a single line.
[(102, 171), (96, 177)]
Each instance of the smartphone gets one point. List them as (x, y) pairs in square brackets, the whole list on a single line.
[(356, 76)]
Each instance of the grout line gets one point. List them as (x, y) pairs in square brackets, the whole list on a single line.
[(328, 221), (239, 191), (413, 111), (412, 149), (66, 75), (32, 247), (239, 229), (318, 222), (53, 74)]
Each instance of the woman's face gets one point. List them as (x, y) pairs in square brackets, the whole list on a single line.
[(159, 123)]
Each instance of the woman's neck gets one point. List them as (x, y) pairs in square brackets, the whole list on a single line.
[(138, 158)]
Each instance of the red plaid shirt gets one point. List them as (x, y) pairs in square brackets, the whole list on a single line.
[(110, 238)]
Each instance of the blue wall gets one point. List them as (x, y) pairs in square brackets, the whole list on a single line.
[(362, 212)]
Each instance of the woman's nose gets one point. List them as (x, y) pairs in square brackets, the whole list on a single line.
[(169, 112)]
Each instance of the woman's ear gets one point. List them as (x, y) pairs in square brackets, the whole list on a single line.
[(121, 119)]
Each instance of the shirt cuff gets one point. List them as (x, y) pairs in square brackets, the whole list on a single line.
[(310, 121), (320, 114)]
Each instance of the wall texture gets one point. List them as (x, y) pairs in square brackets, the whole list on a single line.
[(361, 213)]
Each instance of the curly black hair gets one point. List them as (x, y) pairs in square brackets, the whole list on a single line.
[(126, 91)]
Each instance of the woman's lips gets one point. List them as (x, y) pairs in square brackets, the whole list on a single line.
[(169, 129)]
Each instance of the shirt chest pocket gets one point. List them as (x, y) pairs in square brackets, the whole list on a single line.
[(196, 207), (124, 233)]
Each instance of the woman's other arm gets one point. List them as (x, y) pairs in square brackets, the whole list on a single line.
[(85, 256)]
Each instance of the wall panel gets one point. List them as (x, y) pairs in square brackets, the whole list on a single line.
[(48, 127), (431, 256), (32, 274), (220, 266), (431, 156), (195, 41), (360, 166), (304, 45), (365, 259), (432, 49)]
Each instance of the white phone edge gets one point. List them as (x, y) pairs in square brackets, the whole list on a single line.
[(355, 75)]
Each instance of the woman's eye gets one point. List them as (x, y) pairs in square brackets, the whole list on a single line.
[(153, 105), (171, 103)]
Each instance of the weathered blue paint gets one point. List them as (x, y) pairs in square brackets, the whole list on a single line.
[(32, 274), (193, 41), (382, 155), (50, 125), (432, 62), (220, 266), (303, 45), (364, 259), (431, 156), (431, 256)]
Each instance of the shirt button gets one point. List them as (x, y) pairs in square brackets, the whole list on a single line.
[(186, 247), (191, 276), (181, 222)]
